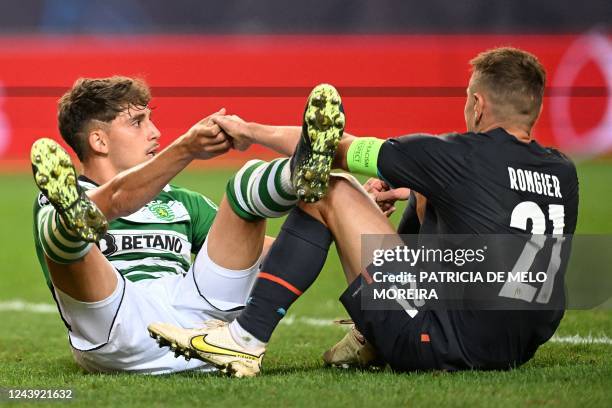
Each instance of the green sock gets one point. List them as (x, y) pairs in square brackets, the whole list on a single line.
[(262, 190), (58, 243)]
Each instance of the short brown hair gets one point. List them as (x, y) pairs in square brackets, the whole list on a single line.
[(98, 99), (513, 78)]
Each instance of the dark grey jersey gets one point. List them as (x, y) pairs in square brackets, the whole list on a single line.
[(474, 181), (488, 183)]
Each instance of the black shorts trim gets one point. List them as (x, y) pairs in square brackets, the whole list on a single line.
[(112, 323), (195, 282)]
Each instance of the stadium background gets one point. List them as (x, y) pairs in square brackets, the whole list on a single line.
[(401, 67)]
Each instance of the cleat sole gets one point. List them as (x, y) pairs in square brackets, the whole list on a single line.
[(325, 125), (56, 178), (231, 369)]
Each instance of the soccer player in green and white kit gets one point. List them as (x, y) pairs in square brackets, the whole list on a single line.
[(147, 229)]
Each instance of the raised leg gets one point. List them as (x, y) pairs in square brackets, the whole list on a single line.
[(349, 213), (67, 228)]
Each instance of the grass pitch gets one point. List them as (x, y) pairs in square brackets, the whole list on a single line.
[(34, 351)]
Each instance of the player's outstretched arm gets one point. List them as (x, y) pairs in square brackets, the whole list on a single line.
[(133, 188), (281, 139)]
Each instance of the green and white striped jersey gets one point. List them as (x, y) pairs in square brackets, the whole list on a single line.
[(156, 240)]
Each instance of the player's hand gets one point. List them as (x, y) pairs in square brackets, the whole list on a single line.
[(206, 139), (209, 119), (385, 196), (237, 129), (386, 199)]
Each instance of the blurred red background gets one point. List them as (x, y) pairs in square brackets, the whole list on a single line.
[(391, 84)]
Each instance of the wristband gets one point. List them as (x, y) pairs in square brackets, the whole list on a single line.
[(362, 156)]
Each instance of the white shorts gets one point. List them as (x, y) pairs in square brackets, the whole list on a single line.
[(111, 335)]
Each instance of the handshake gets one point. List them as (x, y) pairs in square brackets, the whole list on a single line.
[(217, 134)]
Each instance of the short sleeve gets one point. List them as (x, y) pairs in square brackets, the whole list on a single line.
[(202, 211), (410, 223), (205, 213), (40, 202), (425, 163)]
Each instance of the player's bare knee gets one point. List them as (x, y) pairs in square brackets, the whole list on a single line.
[(341, 186), (344, 185)]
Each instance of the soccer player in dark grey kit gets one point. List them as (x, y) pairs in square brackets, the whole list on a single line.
[(493, 179)]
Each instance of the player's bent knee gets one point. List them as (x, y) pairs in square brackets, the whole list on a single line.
[(344, 188)]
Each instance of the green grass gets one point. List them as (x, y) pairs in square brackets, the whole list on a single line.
[(34, 351)]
